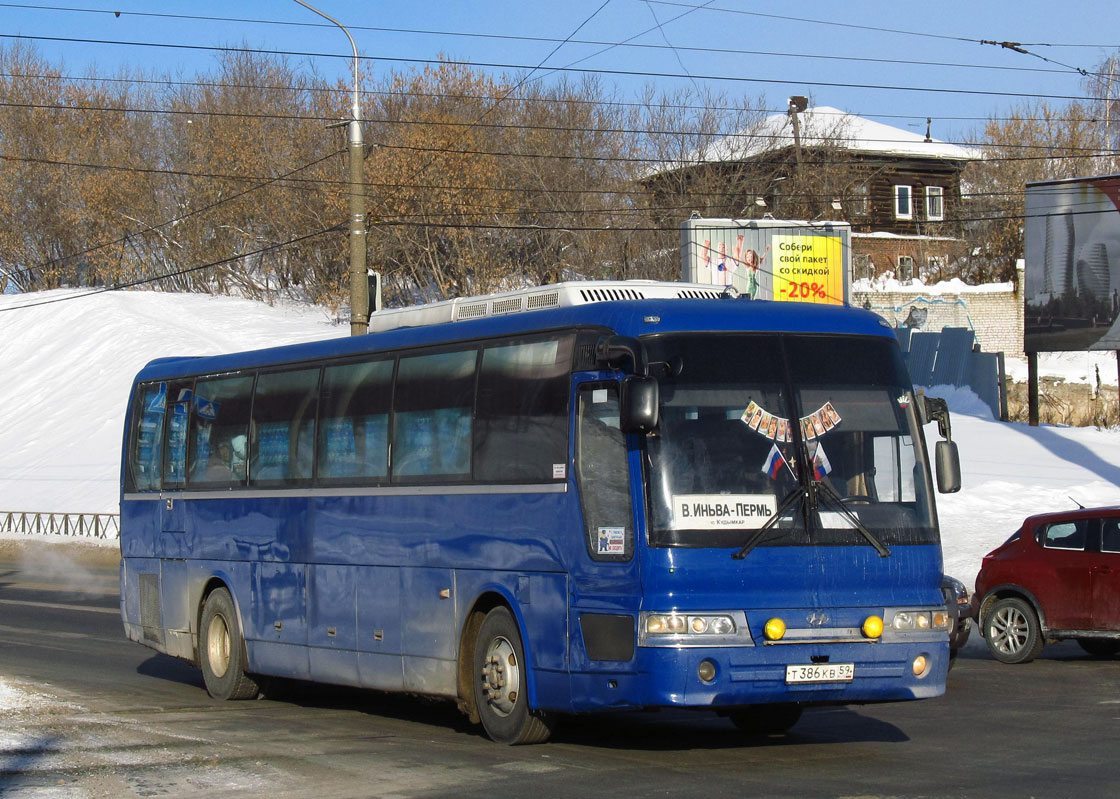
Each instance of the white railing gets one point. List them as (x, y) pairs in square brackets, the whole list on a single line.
[(76, 525)]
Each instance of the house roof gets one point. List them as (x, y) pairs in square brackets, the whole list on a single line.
[(824, 125)]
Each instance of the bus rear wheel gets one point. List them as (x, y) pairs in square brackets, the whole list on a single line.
[(759, 720), (500, 683), (221, 650)]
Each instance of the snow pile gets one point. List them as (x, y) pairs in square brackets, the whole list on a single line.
[(69, 365)]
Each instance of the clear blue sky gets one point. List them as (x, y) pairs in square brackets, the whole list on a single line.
[(819, 54)]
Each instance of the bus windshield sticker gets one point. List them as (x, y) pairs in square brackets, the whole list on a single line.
[(599, 396), (559, 471), (722, 511), (612, 541)]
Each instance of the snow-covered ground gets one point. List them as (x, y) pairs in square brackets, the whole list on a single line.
[(67, 368)]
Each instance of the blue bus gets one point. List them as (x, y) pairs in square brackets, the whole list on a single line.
[(576, 498)]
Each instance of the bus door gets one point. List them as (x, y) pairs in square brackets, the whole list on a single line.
[(605, 584)]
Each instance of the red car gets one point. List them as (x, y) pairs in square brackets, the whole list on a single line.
[(1057, 577)]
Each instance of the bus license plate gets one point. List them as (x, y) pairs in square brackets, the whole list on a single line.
[(821, 672)]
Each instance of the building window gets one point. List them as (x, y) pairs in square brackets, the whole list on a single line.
[(935, 265), (860, 202), (935, 203), (903, 204), (862, 266), (905, 268)]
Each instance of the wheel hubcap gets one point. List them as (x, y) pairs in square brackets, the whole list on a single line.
[(217, 646), (501, 676), (1009, 631)]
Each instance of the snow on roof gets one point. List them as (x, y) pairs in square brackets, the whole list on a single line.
[(824, 126)]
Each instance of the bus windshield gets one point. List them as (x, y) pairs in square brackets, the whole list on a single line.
[(749, 421)]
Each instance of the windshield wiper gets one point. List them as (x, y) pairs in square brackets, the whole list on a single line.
[(834, 499), (756, 537)]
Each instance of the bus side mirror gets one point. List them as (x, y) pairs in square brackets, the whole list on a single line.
[(638, 404), (948, 466)]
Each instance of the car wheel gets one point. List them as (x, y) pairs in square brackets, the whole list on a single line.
[(1099, 647), (759, 720), (1012, 631), (500, 683), (221, 650)]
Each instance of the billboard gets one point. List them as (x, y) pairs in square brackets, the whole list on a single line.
[(770, 259), (1071, 282)]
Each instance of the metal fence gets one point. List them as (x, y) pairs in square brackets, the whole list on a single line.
[(76, 525)]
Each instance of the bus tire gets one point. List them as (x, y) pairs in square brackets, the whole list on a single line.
[(500, 683), (760, 720), (221, 650)]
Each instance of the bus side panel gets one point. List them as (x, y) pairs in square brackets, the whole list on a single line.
[(332, 624), (252, 529), (428, 631), (176, 609), (140, 524), (379, 627), (275, 619)]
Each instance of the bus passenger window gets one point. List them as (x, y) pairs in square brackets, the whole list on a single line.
[(432, 416), (283, 431), (603, 475), (217, 441), (354, 425), (521, 418), (180, 397), (146, 451)]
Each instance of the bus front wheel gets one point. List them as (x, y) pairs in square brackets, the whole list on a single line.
[(500, 683), (221, 650)]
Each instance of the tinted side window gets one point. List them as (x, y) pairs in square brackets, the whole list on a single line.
[(521, 419), (1110, 535), (1064, 535), (283, 431), (354, 423), (180, 398), (432, 416), (146, 448), (603, 475), (217, 450)]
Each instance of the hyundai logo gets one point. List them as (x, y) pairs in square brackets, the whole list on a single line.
[(818, 618)]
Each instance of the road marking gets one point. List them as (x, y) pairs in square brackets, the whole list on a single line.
[(57, 606)]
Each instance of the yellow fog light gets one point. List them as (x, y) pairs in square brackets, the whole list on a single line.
[(775, 629), (920, 666), (706, 670), (873, 626)]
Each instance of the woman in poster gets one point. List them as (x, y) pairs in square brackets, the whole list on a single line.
[(751, 263)]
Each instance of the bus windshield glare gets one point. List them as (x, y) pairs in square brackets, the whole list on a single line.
[(737, 409)]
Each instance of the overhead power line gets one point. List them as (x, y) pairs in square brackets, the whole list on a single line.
[(582, 70)]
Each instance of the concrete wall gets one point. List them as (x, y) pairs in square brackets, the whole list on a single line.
[(995, 316)]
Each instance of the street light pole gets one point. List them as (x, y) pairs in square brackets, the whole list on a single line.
[(359, 286)]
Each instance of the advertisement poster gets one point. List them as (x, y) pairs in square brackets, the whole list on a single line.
[(1072, 255), (769, 259)]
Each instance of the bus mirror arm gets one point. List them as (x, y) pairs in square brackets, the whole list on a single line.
[(614, 350)]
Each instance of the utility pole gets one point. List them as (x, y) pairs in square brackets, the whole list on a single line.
[(797, 104), (355, 148)]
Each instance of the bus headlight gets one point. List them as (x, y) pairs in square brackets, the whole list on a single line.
[(675, 624), (919, 620), (693, 629)]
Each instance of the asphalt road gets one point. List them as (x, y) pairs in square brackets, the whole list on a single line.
[(91, 714)]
